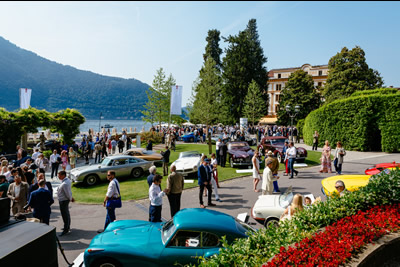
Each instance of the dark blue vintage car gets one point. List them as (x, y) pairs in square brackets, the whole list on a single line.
[(189, 234), (188, 138)]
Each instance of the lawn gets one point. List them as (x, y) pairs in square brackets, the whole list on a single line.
[(139, 189)]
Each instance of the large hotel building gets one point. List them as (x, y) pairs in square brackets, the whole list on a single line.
[(277, 78)]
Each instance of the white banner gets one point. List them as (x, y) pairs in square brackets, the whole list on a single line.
[(176, 100), (24, 97)]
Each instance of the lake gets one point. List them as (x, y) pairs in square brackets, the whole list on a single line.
[(117, 124)]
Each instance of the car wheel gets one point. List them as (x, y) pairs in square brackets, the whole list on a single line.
[(300, 160), (274, 222), (91, 179), (279, 157), (191, 139), (106, 262), (231, 162), (137, 172), (261, 151)]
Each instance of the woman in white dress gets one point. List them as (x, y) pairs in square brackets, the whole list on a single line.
[(256, 170)]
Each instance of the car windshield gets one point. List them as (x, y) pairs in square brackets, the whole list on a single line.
[(167, 230), (244, 227), (148, 152), (279, 142), (285, 199), (237, 145), (105, 162), (188, 155)]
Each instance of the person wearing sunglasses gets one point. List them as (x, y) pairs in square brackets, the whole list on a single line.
[(341, 188)]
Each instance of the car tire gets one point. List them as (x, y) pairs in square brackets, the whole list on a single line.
[(106, 262), (279, 157), (300, 160), (91, 179), (137, 173), (191, 139), (271, 221)]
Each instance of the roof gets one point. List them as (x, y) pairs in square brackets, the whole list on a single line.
[(205, 219)]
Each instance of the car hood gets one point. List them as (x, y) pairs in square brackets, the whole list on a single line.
[(185, 163), (93, 167), (241, 153), (133, 236)]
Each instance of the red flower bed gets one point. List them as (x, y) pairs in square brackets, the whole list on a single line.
[(342, 239)]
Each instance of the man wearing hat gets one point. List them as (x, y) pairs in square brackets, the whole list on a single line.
[(274, 169), (267, 185)]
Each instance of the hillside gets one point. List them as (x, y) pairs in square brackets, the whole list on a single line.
[(56, 86)]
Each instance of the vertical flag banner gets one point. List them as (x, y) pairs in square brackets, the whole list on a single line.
[(176, 100), (25, 97)]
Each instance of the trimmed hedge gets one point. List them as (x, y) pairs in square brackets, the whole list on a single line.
[(365, 122), (261, 246), (385, 91)]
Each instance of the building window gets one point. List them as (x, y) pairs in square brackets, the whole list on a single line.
[(279, 75), (320, 73), (277, 98), (278, 87), (319, 84)]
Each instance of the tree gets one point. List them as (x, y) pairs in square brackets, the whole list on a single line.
[(299, 90), (206, 100), (254, 108), (158, 107), (212, 48), (349, 72), (244, 61)]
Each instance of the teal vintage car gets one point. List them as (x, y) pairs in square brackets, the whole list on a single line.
[(191, 233)]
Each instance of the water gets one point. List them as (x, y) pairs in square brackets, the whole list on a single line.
[(118, 124)]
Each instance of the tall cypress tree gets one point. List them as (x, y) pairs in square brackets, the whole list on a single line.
[(244, 61), (212, 48)]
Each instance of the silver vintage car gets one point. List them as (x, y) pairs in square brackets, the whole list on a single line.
[(122, 165)]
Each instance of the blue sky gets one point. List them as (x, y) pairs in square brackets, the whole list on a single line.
[(135, 39)]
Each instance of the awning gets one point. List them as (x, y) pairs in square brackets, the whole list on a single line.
[(267, 120)]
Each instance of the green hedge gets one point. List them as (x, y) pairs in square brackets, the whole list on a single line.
[(367, 122), (300, 127), (265, 243), (385, 91)]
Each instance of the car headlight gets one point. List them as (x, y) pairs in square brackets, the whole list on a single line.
[(195, 168)]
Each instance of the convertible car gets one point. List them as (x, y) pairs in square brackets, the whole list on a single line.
[(188, 138), (377, 168), (189, 234), (148, 155), (268, 208), (123, 165), (352, 182), (276, 144), (188, 163), (240, 154)]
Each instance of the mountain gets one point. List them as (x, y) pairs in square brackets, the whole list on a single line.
[(56, 86)]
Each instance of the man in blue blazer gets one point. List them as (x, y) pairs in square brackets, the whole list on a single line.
[(204, 180), (41, 200)]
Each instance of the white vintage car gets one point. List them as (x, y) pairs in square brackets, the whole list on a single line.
[(188, 163), (269, 208)]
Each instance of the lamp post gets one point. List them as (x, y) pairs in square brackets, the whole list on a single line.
[(292, 114)]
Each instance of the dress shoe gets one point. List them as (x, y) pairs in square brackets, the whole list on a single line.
[(212, 204), (100, 231), (219, 200), (296, 173), (64, 233), (290, 177)]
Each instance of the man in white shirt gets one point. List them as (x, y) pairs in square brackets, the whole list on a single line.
[(155, 196), (64, 195), (54, 163), (36, 154), (291, 155), (112, 192), (217, 146)]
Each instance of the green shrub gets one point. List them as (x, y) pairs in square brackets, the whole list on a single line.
[(155, 137), (368, 122), (261, 246), (47, 153), (383, 91), (300, 126)]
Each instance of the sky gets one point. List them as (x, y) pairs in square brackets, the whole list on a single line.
[(132, 39)]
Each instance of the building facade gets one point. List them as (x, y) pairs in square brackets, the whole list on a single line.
[(277, 79)]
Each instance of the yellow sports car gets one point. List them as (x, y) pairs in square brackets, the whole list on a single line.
[(351, 182)]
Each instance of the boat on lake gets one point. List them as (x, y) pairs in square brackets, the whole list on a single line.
[(107, 126)]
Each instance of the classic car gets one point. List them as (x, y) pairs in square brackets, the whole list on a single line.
[(123, 165), (188, 138), (268, 208), (148, 155), (188, 163), (48, 144), (377, 168), (351, 181), (276, 144), (240, 154), (191, 233)]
